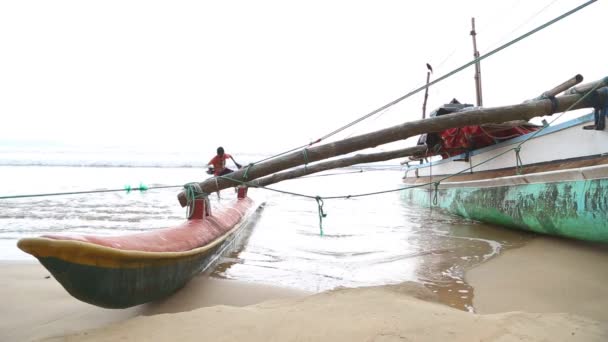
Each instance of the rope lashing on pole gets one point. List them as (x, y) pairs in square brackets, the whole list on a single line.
[(193, 192), (245, 175), (305, 151)]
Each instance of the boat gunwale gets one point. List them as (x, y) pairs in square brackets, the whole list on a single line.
[(524, 179)]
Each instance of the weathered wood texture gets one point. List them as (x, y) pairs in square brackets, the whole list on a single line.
[(560, 88), (583, 88), (564, 86), (403, 131), (334, 164)]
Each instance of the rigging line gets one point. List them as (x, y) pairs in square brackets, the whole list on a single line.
[(344, 196), (500, 48), (332, 174), (89, 192), (361, 170), (525, 22), (491, 19), (376, 118), (281, 154), (457, 70)]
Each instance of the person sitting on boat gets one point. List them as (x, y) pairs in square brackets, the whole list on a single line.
[(218, 163)]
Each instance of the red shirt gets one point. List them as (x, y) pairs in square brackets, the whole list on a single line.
[(219, 163)]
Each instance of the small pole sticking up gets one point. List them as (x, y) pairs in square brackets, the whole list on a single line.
[(426, 91), (477, 66)]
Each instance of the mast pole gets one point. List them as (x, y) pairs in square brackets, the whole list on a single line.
[(477, 65), (426, 91)]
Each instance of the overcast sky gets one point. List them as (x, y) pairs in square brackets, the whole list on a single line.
[(265, 76)]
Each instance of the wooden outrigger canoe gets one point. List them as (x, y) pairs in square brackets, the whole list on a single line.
[(128, 270)]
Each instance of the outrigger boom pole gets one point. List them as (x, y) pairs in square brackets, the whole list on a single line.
[(524, 111)]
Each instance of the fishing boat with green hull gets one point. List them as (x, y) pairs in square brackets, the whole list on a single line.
[(128, 270), (553, 180)]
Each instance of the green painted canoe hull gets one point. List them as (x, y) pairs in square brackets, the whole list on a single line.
[(573, 209), (117, 288)]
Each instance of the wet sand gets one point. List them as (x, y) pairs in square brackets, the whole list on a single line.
[(549, 289), (545, 275)]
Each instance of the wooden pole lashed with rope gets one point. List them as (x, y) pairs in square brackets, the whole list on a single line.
[(524, 111), (339, 163)]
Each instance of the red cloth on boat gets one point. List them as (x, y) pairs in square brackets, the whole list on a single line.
[(455, 141)]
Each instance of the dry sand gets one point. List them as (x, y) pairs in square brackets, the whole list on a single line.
[(546, 275), (34, 307), (387, 313)]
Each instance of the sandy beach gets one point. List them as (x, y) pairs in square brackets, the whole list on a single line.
[(35, 307), (548, 290), (546, 275)]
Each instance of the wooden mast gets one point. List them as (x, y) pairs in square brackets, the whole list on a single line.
[(524, 111), (426, 91), (477, 65)]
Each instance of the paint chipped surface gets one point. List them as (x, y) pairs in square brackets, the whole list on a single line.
[(575, 209)]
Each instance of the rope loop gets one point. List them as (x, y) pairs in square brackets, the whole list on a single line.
[(193, 191), (435, 200), (322, 214)]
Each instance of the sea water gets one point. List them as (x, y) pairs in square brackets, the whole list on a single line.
[(363, 241)]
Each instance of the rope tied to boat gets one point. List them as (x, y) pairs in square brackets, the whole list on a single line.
[(193, 192), (435, 200), (322, 213), (519, 165)]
